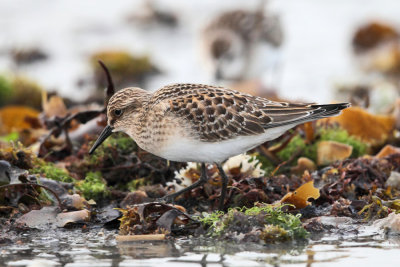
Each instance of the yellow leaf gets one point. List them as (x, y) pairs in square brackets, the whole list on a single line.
[(299, 198)]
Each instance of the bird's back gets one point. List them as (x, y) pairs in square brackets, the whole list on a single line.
[(216, 113)]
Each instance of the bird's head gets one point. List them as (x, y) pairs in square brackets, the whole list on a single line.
[(227, 54), (122, 112)]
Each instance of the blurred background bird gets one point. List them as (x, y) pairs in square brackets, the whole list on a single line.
[(243, 44)]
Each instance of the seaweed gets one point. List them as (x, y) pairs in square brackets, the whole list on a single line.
[(267, 222), (51, 171), (93, 186)]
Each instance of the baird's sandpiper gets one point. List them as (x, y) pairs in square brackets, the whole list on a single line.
[(241, 44), (203, 123)]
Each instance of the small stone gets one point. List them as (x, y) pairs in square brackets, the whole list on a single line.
[(331, 151), (5, 169), (393, 180), (137, 197)]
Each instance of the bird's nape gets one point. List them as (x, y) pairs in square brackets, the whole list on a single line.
[(107, 131)]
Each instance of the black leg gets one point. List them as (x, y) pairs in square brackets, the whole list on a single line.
[(202, 180), (224, 186)]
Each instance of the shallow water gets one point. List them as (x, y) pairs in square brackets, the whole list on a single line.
[(98, 247)]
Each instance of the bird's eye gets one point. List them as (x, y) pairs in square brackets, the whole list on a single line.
[(118, 112)]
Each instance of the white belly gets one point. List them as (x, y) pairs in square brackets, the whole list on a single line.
[(185, 150)]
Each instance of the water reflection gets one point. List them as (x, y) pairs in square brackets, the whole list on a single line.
[(70, 248)]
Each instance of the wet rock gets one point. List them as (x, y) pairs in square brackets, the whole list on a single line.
[(66, 218), (331, 151), (330, 224), (390, 224), (5, 169), (108, 215), (51, 217), (40, 219), (155, 218)]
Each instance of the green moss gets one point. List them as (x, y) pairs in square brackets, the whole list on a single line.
[(93, 187), (298, 145), (119, 142), (213, 221), (51, 171), (272, 221), (12, 137), (323, 134), (266, 165), (341, 136)]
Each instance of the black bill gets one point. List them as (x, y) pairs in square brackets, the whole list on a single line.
[(103, 136)]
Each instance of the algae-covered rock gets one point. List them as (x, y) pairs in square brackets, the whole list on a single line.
[(20, 91), (126, 69), (26, 93), (267, 222)]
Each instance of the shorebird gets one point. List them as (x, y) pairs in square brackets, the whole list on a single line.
[(203, 123), (237, 44)]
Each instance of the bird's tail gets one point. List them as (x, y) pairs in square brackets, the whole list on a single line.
[(312, 112)]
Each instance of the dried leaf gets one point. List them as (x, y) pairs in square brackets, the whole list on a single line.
[(300, 196)]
